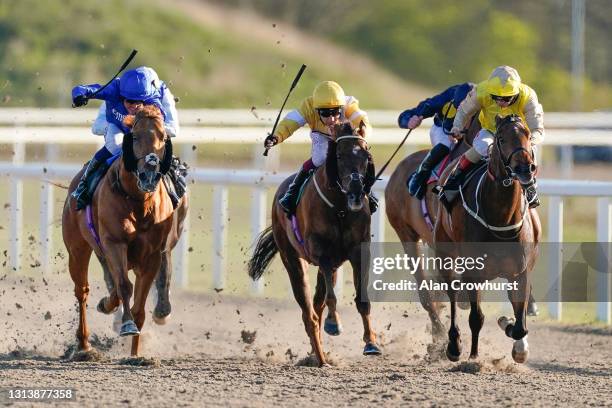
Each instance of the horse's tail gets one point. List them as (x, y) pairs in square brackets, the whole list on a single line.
[(265, 249)]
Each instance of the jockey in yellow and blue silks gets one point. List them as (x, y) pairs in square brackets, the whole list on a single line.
[(327, 106), (123, 96), (443, 108), (502, 94)]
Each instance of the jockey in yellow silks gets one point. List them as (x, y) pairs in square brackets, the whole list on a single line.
[(327, 106), (501, 95)]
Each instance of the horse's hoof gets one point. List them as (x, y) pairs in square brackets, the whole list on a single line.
[(520, 357), (100, 307), (371, 349), (451, 356), (128, 328), (332, 328), (325, 365), (160, 320), (520, 350)]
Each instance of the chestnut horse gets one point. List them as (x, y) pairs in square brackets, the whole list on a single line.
[(406, 217), (334, 219), (493, 209), (130, 224)]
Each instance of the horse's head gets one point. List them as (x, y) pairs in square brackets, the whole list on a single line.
[(347, 162), (147, 149), (511, 153)]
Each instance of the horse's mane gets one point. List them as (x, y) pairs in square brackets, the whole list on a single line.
[(344, 129), (513, 119), (147, 112)]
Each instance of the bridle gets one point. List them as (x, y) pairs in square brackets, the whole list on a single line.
[(354, 176), (150, 159), (510, 173)]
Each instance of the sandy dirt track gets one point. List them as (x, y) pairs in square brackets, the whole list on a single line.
[(219, 350)]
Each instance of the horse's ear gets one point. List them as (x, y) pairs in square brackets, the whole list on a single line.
[(129, 160), (167, 160), (129, 120)]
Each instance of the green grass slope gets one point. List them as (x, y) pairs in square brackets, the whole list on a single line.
[(47, 47)]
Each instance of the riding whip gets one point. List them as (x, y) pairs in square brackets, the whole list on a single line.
[(392, 156), (295, 81), (125, 64)]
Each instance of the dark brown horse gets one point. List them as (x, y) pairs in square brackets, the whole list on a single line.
[(132, 225), (493, 209), (333, 218), (406, 217)]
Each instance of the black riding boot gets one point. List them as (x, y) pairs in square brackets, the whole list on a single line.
[(416, 183), (532, 195), (289, 201), (80, 194), (451, 188), (370, 179)]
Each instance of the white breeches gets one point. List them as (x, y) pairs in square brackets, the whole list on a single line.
[(113, 139), (437, 136), (482, 141), (319, 148)]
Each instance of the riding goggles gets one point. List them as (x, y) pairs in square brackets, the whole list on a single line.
[(134, 102), (327, 112), (506, 99)]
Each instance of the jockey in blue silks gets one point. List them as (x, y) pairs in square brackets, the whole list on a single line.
[(443, 108), (123, 96)]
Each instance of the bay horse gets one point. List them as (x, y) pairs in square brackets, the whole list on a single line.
[(333, 218), (493, 209), (130, 224), (406, 216)]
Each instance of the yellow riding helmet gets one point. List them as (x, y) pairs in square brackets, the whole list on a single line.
[(504, 81), (328, 94)]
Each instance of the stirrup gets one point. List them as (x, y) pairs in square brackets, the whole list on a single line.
[(287, 207)]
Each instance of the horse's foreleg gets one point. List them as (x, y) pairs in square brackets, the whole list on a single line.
[(144, 278), (476, 321), (116, 257), (432, 308), (108, 304), (517, 328), (319, 299), (332, 325), (78, 261), (453, 350), (362, 301), (162, 283)]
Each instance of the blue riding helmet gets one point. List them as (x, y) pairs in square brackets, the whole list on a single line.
[(138, 84)]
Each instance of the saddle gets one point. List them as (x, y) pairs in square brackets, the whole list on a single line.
[(436, 173), (303, 186)]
